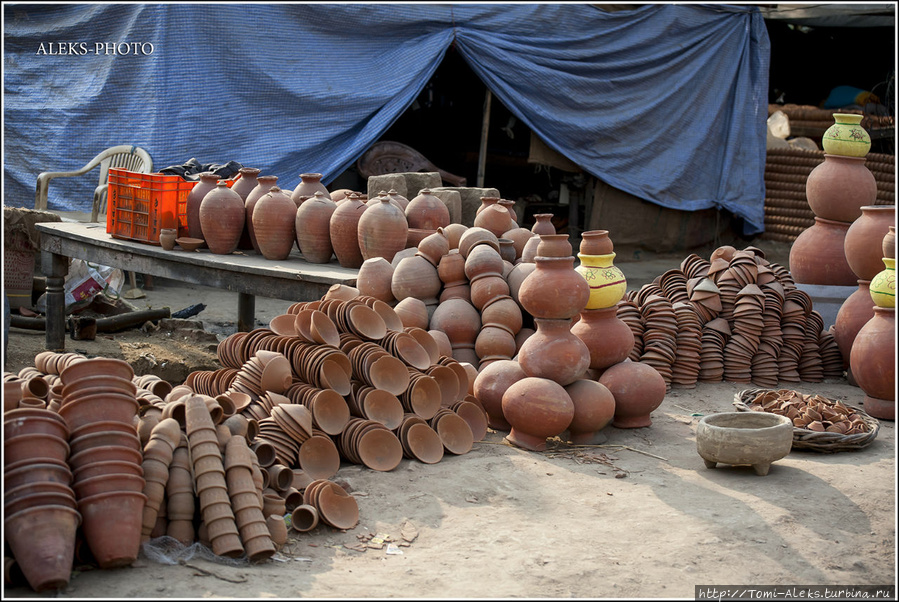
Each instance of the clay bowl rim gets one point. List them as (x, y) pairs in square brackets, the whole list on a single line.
[(72, 373), (188, 243)]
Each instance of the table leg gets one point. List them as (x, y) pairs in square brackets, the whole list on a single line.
[(246, 312), (56, 267)]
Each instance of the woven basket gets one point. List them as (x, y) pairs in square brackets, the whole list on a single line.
[(814, 440)]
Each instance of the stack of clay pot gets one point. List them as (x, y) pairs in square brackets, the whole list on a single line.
[(100, 408), (158, 453), (873, 355), (836, 191), (246, 501), (39, 507)]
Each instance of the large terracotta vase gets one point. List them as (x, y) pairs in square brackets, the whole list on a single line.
[(555, 353), (554, 290), (382, 231), (883, 286), (839, 187), (313, 227), (864, 239), (846, 136), (873, 362), (208, 181), (263, 186), (607, 282), (607, 337), (817, 255), (244, 186), (310, 183), (274, 223), (854, 313), (638, 389), (222, 217), (427, 212), (536, 408), (596, 242), (344, 229)]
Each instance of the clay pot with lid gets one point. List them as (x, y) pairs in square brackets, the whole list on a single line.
[(554, 290), (263, 185), (208, 181), (818, 257), (313, 227), (274, 224), (427, 212), (382, 231), (554, 353), (310, 183), (344, 226), (638, 389), (222, 216), (863, 244), (536, 408)]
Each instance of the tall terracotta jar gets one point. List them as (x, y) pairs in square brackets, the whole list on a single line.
[(555, 353), (554, 290), (344, 228), (817, 255), (853, 314), (536, 408), (244, 186), (222, 217), (596, 242), (263, 186), (543, 225), (608, 339), (873, 362), (607, 282), (846, 136), (310, 183), (864, 239), (427, 212), (208, 181), (274, 222), (313, 227), (839, 187), (638, 389), (382, 231)]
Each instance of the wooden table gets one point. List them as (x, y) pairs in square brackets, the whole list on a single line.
[(250, 274)]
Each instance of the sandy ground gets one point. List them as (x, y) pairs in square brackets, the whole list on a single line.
[(639, 516)]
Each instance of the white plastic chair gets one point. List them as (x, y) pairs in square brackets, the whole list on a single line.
[(124, 156)]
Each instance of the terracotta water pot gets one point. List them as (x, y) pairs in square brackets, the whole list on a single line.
[(608, 339), (607, 282), (415, 277), (594, 408), (853, 314), (382, 231), (434, 246), (208, 181), (839, 187), (889, 243), (475, 236), (42, 540), (167, 238), (638, 389), (883, 285), (482, 261), (274, 224), (543, 225), (554, 290), (426, 211), (873, 363), (245, 184), (313, 228), (486, 201), (536, 408), (494, 218), (554, 353), (596, 242), (863, 244), (344, 230), (222, 217), (459, 320), (846, 137), (554, 245), (310, 183), (375, 279), (263, 185), (817, 255)]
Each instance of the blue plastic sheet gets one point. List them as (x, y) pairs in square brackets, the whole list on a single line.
[(666, 102)]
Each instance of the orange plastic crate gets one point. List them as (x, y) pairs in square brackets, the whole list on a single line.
[(139, 205)]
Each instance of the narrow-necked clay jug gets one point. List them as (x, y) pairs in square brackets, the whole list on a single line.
[(274, 222), (306, 189), (222, 217), (313, 227), (207, 182), (543, 225), (344, 228), (263, 185), (427, 212), (382, 231)]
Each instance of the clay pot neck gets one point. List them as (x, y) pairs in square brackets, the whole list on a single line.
[(310, 178), (554, 263), (553, 327), (208, 176), (844, 159), (591, 316), (847, 118), (264, 180)]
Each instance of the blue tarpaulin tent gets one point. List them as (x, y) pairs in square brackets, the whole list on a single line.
[(666, 102)]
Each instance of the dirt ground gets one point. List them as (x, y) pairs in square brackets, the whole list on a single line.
[(639, 516)]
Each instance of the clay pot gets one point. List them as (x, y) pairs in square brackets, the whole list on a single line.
[(167, 238), (516, 277), (554, 245), (494, 343), (451, 270), (817, 255), (263, 185), (494, 218), (486, 201), (427, 212), (543, 225), (863, 244), (608, 339), (596, 242), (112, 526), (889, 243), (536, 408), (510, 207), (854, 313), (454, 233), (459, 320), (638, 389), (246, 182), (846, 136), (312, 220), (594, 407), (310, 183), (519, 238), (222, 217), (415, 277), (475, 236), (413, 312), (872, 361), (208, 181), (507, 250), (554, 290), (304, 518), (42, 539), (375, 279), (502, 312), (277, 528), (382, 231), (483, 260), (554, 353), (274, 224), (344, 229), (839, 187), (607, 282), (529, 252)]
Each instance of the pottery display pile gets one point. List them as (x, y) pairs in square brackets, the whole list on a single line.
[(811, 412), (734, 317), (836, 191)]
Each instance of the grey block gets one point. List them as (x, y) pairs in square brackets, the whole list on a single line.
[(471, 200), (387, 182), (453, 201), (417, 181)]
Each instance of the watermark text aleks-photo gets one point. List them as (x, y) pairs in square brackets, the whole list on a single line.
[(95, 48)]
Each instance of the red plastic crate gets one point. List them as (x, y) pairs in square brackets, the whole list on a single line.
[(139, 205)]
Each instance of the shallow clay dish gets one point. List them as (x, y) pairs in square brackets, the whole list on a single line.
[(189, 244)]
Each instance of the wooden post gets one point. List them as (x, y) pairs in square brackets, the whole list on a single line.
[(485, 128)]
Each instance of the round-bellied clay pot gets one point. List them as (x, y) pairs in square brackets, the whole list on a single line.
[(491, 384), (863, 244), (883, 286), (312, 220), (222, 216), (554, 245), (494, 218), (889, 243), (310, 183), (873, 363), (167, 238), (853, 314), (839, 187), (427, 212), (554, 290), (274, 224), (382, 231), (208, 181), (536, 408), (344, 229), (263, 185), (415, 277), (638, 389), (596, 242), (458, 319), (607, 282), (846, 136), (375, 278), (817, 255), (608, 339), (594, 408), (553, 352), (543, 225)]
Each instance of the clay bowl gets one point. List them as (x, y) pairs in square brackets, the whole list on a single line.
[(104, 438), (34, 447), (108, 483), (95, 469), (380, 450), (474, 416), (423, 443), (11, 495), (740, 438), (96, 367), (102, 382), (333, 376), (329, 411), (390, 374), (384, 407), (48, 424), (190, 244), (104, 454), (46, 498), (318, 458), (455, 433), (27, 471), (338, 508), (108, 407)]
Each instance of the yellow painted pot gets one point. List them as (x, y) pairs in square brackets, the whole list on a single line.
[(607, 282), (846, 137), (883, 286)]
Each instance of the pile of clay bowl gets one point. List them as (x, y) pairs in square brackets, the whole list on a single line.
[(39, 506), (334, 505), (419, 440), (100, 409), (370, 443)]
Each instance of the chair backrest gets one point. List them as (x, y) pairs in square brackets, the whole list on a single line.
[(124, 156)]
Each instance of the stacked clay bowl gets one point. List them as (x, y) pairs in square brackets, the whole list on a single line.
[(158, 455), (334, 505), (245, 500), (40, 509), (180, 504), (453, 430), (99, 405), (370, 443), (419, 440)]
